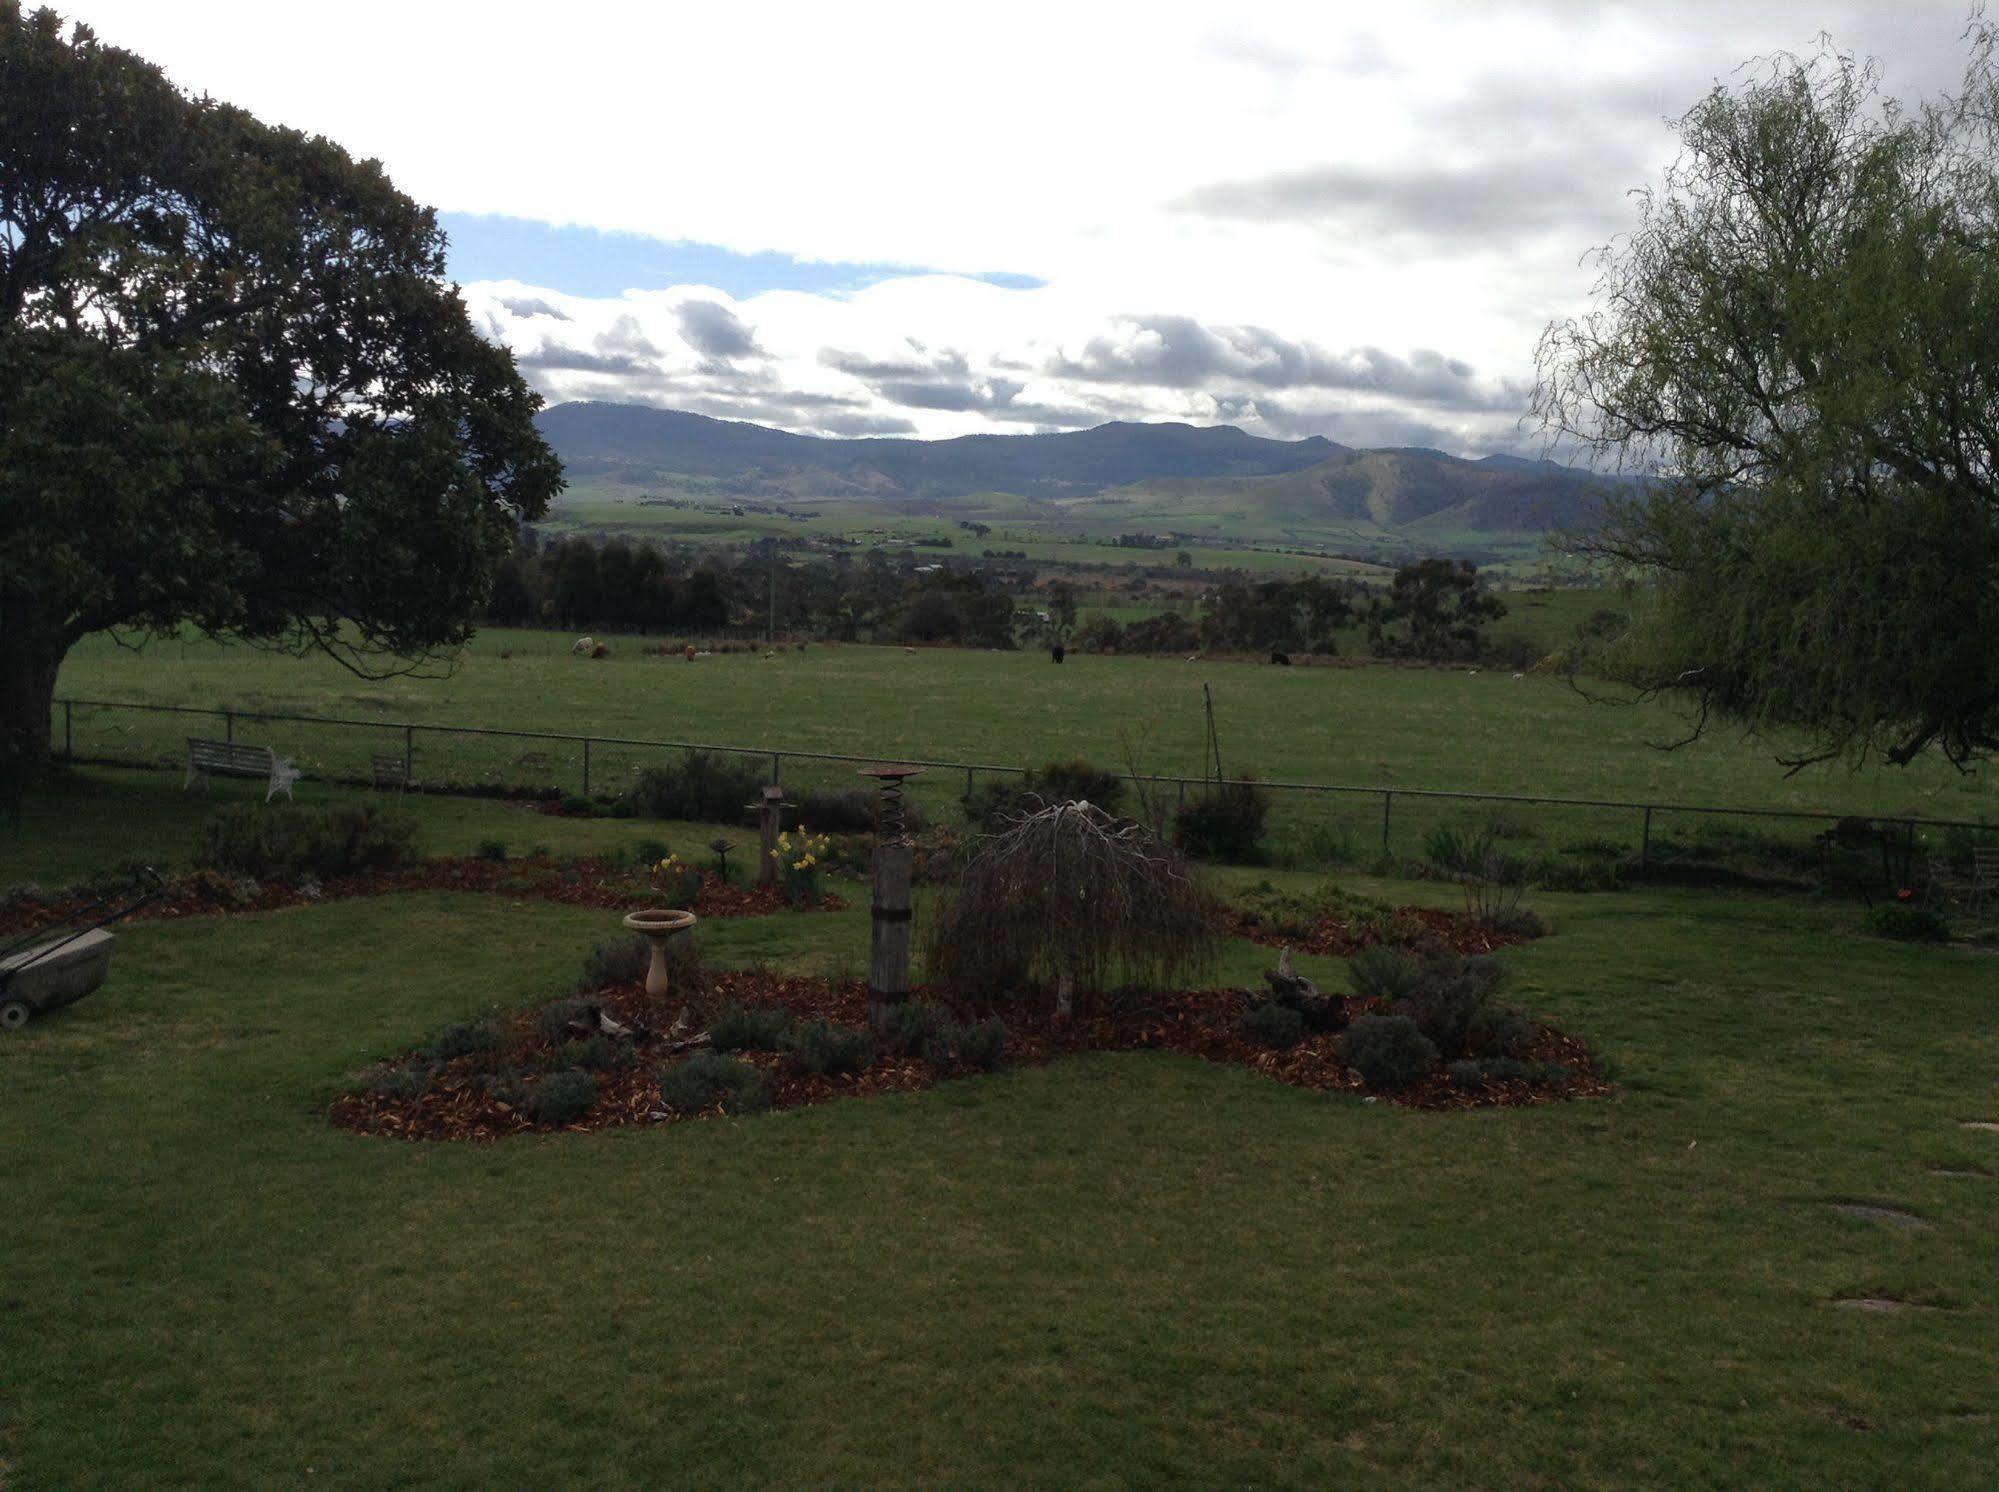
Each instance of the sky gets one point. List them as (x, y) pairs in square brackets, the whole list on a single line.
[(1322, 219)]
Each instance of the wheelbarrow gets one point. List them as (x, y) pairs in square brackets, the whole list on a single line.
[(60, 963)]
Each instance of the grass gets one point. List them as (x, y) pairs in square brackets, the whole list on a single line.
[(1381, 727), (1131, 1269)]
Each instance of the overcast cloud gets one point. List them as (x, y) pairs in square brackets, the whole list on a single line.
[(1303, 219)]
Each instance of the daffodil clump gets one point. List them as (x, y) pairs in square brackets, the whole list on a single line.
[(799, 857), (678, 883)]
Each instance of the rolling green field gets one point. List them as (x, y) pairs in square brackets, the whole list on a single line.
[(1117, 1270), (1374, 726)]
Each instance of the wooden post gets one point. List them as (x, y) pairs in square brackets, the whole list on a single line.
[(409, 755), (586, 766), (769, 812), (892, 925), (1645, 842), (1387, 802)]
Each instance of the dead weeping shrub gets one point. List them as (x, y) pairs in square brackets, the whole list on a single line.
[(1073, 897)]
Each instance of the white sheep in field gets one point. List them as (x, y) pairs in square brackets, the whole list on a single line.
[(583, 647)]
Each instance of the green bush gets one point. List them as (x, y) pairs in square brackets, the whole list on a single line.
[(491, 849), (1286, 914), (991, 805), (847, 810), (617, 961), (554, 1017), (404, 1082), (1906, 924), (463, 1040), (703, 786), (828, 1050), (1499, 1030), (283, 842), (750, 1028), (908, 1026), (561, 1097), (1476, 1072), (1388, 1051), (575, 805), (979, 1044), (709, 1080), (1273, 1025), (1224, 823), (599, 1053), (1384, 974), (648, 852)]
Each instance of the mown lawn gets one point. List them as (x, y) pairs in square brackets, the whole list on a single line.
[(1109, 1271)]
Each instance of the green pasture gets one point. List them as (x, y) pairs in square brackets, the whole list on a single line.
[(1111, 1271), (1375, 727)]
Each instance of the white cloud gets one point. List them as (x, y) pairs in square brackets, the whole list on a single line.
[(1399, 192)]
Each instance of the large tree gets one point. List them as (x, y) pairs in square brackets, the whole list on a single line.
[(236, 390), (1799, 343)]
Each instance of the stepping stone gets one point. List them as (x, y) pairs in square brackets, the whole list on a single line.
[(1879, 1304), (1894, 1217)]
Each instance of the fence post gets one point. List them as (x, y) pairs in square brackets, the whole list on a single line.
[(586, 766), (968, 782), (1387, 803), (68, 734), (409, 753), (228, 725), (1645, 842), (1183, 792), (776, 767)]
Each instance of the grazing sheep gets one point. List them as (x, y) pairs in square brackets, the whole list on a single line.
[(583, 647)]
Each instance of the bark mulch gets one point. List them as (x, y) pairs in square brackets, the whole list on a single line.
[(587, 882), (1339, 939), (1194, 1023)]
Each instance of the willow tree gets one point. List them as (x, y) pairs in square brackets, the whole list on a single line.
[(1798, 343), (236, 390)]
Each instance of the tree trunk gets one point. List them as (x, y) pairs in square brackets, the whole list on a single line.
[(27, 688)]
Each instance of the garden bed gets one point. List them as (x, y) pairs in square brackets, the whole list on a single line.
[(1339, 937), (459, 1103), (587, 882)]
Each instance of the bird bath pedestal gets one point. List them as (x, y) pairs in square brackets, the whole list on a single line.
[(658, 926)]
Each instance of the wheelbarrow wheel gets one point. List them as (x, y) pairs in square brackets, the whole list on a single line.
[(14, 1015)]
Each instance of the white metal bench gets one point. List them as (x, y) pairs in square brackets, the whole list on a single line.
[(206, 759)]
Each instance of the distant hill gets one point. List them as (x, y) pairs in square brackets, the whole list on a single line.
[(1159, 469)]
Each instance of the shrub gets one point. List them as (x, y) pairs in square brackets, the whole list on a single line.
[(800, 858), (1450, 996), (1555, 873), (1077, 899), (648, 852), (1475, 1073), (908, 1026), (1499, 1030), (709, 1080), (285, 842), (827, 1050), (404, 1082), (1384, 974), (575, 805), (994, 805), (617, 961), (554, 1017), (703, 786), (676, 883), (491, 849), (1288, 914), (1450, 848), (1906, 924), (847, 810), (980, 1044), (599, 1053), (561, 1097), (1388, 1051), (750, 1028), (1273, 1025), (1329, 844), (1223, 823), (463, 1040)]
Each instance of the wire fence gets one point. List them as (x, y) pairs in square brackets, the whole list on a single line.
[(1310, 822)]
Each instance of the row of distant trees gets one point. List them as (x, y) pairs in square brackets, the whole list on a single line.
[(1434, 609)]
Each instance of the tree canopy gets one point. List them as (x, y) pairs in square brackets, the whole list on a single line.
[(236, 390), (1799, 344)]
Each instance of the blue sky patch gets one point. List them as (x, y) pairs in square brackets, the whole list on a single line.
[(586, 262)]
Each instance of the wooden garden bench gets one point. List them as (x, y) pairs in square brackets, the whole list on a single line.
[(206, 759)]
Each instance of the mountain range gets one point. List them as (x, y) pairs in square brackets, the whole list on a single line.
[(1150, 469)]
